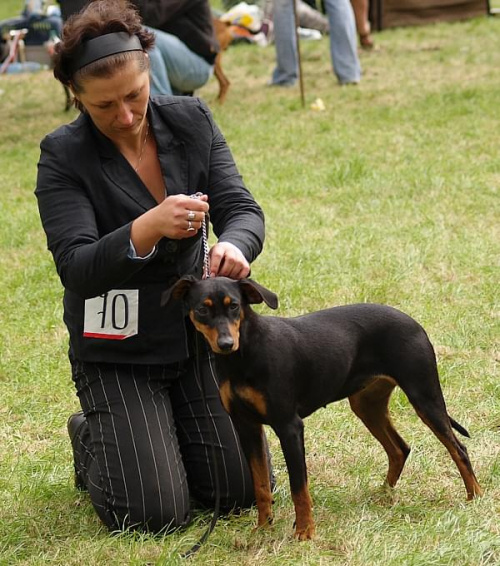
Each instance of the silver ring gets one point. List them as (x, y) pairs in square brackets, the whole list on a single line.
[(190, 227), (191, 215)]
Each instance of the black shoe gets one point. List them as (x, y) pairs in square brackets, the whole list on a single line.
[(76, 424)]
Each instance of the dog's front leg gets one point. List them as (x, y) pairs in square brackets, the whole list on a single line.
[(291, 437), (254, 446)]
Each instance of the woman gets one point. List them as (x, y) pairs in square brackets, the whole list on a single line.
[(114, 192)]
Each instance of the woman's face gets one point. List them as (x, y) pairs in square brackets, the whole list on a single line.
[(117, 104)]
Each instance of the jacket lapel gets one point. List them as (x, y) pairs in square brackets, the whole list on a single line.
[(119, 172), (171, 153)]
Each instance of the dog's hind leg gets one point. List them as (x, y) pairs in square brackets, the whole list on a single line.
[(432, 411), (415, 370), (371, 405)]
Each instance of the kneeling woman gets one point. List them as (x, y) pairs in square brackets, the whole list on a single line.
[(114, 193)]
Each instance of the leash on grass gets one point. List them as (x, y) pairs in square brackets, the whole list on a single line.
[(210, 528), (215, 516)]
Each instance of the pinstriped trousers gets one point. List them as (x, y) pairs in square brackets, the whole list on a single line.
[(145, 453)]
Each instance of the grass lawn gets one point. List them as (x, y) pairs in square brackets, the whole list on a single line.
[(389, 195)]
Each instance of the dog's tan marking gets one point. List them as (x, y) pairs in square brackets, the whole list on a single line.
[(226, 301), (234, 329), (253, 398), (226, 396), (261, 483), (304, 522), (209, 332), (208, 302)]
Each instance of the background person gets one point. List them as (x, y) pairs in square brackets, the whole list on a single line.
[(113, 194), (183, 58), (343, 42)]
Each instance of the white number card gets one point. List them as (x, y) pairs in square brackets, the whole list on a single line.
[(112, 316)]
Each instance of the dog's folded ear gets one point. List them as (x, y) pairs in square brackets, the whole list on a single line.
[(178, 290), (255, 293)]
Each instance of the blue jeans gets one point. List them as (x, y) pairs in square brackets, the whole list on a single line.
[(343, 42), (175, 69)]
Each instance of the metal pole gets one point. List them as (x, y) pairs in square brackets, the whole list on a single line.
[(299, 59)]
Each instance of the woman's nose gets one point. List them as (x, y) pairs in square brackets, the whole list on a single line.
[(125, 115)]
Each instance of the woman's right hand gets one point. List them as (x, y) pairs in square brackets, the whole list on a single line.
[(177, 217)]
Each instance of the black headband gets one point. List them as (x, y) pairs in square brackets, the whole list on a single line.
[(104, 46)]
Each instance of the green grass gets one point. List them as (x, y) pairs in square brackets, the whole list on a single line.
[(392, 195)]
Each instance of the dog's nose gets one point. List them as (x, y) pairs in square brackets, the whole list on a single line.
[(225, 343)]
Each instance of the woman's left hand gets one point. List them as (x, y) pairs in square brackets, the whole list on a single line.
[(228, 261)]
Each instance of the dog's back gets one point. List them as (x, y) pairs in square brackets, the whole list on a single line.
[(330, 354)]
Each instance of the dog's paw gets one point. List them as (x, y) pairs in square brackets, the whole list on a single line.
[(305, 533), (264, 522)]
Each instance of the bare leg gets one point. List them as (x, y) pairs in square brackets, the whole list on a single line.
[(360, 8)]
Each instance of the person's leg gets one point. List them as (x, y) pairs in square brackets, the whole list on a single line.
[(286, 70), (195, 441), (160, 83), (311, 18), (174, 67), (128, 456), (361, 8), (343, 41)]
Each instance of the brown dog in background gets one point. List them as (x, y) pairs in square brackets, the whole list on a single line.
[(224, 36)]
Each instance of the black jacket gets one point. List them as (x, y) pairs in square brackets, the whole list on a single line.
[(189, 20), (88, 195)]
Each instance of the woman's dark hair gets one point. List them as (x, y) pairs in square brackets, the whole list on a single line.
[(100, 17)]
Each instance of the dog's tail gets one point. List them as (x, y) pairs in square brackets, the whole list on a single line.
[(459, 427)]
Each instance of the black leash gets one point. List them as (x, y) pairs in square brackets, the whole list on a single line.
[(206, 534), (215, 516)]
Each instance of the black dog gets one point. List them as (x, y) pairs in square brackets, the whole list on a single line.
[(276, 371)]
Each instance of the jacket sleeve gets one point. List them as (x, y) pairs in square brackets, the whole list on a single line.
[(235, 215), (87, 262)]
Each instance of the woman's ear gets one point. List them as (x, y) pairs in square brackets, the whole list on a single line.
[(76, 101)]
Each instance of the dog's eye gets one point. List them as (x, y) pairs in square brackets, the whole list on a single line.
[(234, 307), (202, 311)]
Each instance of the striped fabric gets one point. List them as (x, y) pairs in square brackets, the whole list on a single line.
[(145, 455)]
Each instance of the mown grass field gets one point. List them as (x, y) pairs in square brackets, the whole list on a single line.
[(389, 195)]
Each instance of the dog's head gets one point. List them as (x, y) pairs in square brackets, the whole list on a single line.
[(217, 307)]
